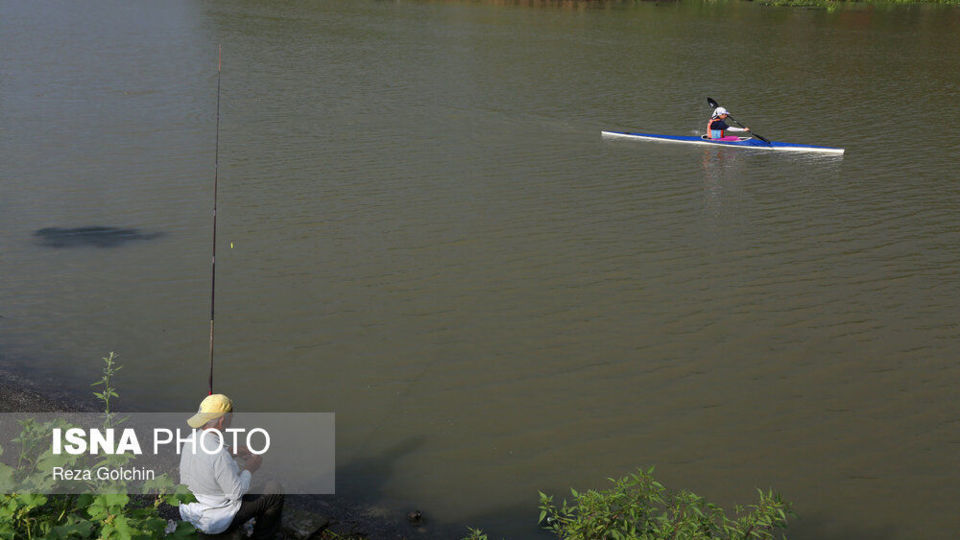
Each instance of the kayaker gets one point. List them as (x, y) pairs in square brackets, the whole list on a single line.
[(717, 126), (219, 484)]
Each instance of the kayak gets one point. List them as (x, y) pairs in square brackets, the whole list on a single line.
[(732, 142)]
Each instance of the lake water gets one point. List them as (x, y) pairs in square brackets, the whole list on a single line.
[(421, 229)]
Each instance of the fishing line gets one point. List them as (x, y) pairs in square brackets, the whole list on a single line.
[(213, 258)]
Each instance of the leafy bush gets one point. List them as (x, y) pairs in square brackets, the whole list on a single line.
[(25, 514), (639, 507), (475, 534)]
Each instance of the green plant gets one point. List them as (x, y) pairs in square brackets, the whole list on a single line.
[(475, 534), (109, 370), (639, 507), (24, 513)]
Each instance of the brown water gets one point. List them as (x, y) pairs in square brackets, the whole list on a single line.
[(421, 229)]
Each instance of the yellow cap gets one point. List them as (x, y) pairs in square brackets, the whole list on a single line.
[(212, 407)]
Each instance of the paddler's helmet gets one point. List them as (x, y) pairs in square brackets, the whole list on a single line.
[(719, 111)]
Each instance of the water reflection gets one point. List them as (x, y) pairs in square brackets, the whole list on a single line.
[(719, 164), (724, 171)]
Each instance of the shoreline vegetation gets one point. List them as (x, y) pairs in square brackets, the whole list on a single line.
[(830, 5), (635, 506), (325, 517)]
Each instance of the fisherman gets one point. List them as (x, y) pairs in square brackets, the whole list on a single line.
[(219, 483), (717, 126)]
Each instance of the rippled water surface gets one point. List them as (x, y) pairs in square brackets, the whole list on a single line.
[(421, 229)]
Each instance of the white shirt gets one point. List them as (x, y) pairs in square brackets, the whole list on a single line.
[(215, 480)]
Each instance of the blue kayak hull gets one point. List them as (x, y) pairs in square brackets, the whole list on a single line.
[(744, 142)]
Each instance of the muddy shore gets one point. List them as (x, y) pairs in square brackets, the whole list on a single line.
[(18, 394)]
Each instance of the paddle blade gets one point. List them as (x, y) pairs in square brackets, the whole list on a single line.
[(712, 103)]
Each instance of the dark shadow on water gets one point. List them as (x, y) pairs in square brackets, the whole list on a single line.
[(364, 477), (814, 527), (362, 507), (102, 237), (358, 506), (502, 522), (25, 387)]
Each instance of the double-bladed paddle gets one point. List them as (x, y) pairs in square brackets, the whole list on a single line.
[(714, 104)]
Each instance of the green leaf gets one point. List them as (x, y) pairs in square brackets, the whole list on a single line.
[(7, 482), (48, 460), (160, 484), (82, 529), (184, 530), (181, 494), (116, 500), (97, 509), (30, 501)]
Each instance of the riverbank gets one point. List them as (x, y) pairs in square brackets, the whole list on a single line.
[(832, 5), (18, 394), (585, 4), (307, 516)]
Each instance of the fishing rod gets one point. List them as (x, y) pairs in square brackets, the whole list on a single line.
[(213, 258)]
